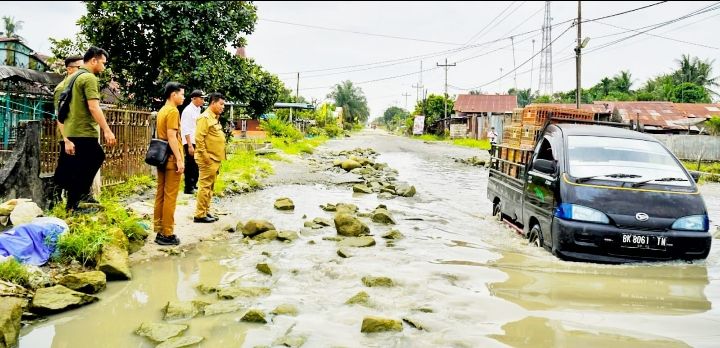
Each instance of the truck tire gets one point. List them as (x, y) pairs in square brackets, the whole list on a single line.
[(535, 236), (497, 214)]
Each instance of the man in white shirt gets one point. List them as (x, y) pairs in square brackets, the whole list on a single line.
[(188, 122)]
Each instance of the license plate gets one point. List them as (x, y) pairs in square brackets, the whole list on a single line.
[(643, 241)]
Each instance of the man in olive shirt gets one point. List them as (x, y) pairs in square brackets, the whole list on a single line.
[(209, 152), (168, 180), (82, 127), (72, 64)]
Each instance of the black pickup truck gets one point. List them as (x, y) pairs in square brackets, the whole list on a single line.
[(602, 194)]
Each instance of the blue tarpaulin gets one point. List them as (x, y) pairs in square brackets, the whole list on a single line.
[(34, 242)]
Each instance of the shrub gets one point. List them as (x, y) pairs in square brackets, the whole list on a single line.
[(12, 271), (315, 131), (277, 128), (333, 130)]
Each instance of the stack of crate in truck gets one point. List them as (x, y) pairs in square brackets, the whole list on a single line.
[(521, 135)]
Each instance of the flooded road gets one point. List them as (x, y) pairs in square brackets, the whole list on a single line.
[(466, 279)]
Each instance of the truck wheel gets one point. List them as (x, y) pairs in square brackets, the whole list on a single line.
[(535, 236), (497, 214)]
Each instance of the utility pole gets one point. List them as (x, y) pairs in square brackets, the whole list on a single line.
[(512, 42), (532, 65), (578, 89), (418, 87), (406, 94), (446, 66)]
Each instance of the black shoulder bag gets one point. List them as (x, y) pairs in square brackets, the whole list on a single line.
[(158, 152), (65, 98)]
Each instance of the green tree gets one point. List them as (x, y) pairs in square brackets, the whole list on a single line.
[(622, 82), (433, 108), (693, 70), (543, 99), (352, 100), (713, 125), (12, 27), (394, 117), (63, 48), (153, 42), (689, 92), (524, 97)]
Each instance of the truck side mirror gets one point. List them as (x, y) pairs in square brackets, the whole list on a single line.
[(695, 175), (544, 166)]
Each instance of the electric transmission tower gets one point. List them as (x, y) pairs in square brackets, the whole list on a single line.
[(546, 75)]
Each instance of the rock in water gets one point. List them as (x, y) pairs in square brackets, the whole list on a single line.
[(264, 268), (377, 281), (362, 189), (234, 292), (160, 332), (405, 190), (254, 227), (114, 262), (357, 242), (183, 310), (284, 204), (378, 324), (254, 316), (382, 216), (57, 299), (287, 235), (87, 282), (348, 225), (361, 298), (178, 342), (221, 308), (11, 309), (394, 235), (349, 165), (266, 236), (285, 309), (344, 253)]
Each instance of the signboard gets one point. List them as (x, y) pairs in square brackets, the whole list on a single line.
[(419, 125)]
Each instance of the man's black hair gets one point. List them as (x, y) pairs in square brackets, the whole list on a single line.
[(172, 87), (70, 59), (215, 96), (95, 52)]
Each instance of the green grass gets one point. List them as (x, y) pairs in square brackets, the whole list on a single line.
[(242, 166), (294, 147), (135, 185), (428, 137), (483, 144), (707, 167), (12, 271)]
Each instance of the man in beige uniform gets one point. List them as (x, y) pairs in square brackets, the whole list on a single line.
[(209, 152)]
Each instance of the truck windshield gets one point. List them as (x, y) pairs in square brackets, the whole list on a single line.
[(620, 159)]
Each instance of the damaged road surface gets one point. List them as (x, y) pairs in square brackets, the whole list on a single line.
[(369, 267)]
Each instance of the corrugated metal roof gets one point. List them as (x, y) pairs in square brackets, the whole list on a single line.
[(649, 113), (470, 103), (596, 108), (19, 74), (698, 110)]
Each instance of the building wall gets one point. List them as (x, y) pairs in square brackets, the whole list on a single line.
[(18, 55)]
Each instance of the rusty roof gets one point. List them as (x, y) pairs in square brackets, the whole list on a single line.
[(660, 114), (470, 103), (698, 110), (596, 108)]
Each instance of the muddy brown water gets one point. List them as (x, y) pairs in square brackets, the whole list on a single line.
[(484, 284)]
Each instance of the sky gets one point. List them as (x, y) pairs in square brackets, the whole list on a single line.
[(324, 37)]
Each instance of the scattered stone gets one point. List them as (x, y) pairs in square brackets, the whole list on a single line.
[(346, 208), (347, 225), (424, 310), (234, 292), (378, 324), (25, 212), (160, 332), (207, 289), (405, 190), (349, 165), (228, 228), (323, 221), (311, 242), (362, 189), (377, 281), (239, 227), (314, 226), (284, 204), (333, 238), (255, 227), (266, 236), (264, 268), (337, 163), (390, 244), (57, 299), (114, 262), (364, 215), (183, 310), (221, 308), (285, 309), (414, 323), (178, 342), (287, 236), (357, 242), (254, 316), (361, 298), (11, 310), (8, 289), (383, 216), (394, 235), (87, 282), (344, 253), (328, 207), (290, 341)]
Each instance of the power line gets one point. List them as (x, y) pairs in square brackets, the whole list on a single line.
[(624, 12), (662, 37), (360, 32), (472, 38)]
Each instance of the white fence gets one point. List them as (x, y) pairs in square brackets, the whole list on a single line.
[(692, 146)]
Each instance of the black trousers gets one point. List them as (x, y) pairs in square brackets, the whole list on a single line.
[(191, 170), (75, 173)]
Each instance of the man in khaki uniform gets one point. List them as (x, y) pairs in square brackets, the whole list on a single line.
[(209, 152)]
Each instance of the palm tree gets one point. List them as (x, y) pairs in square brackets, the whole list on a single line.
[(606, 84), (12, 27), (693, 70), (353, 102), (623, 81)]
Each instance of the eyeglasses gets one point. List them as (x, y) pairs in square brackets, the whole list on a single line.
[(74, 66)]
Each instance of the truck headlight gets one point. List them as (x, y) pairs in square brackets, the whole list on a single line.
[(567, 211), (692, 223)]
